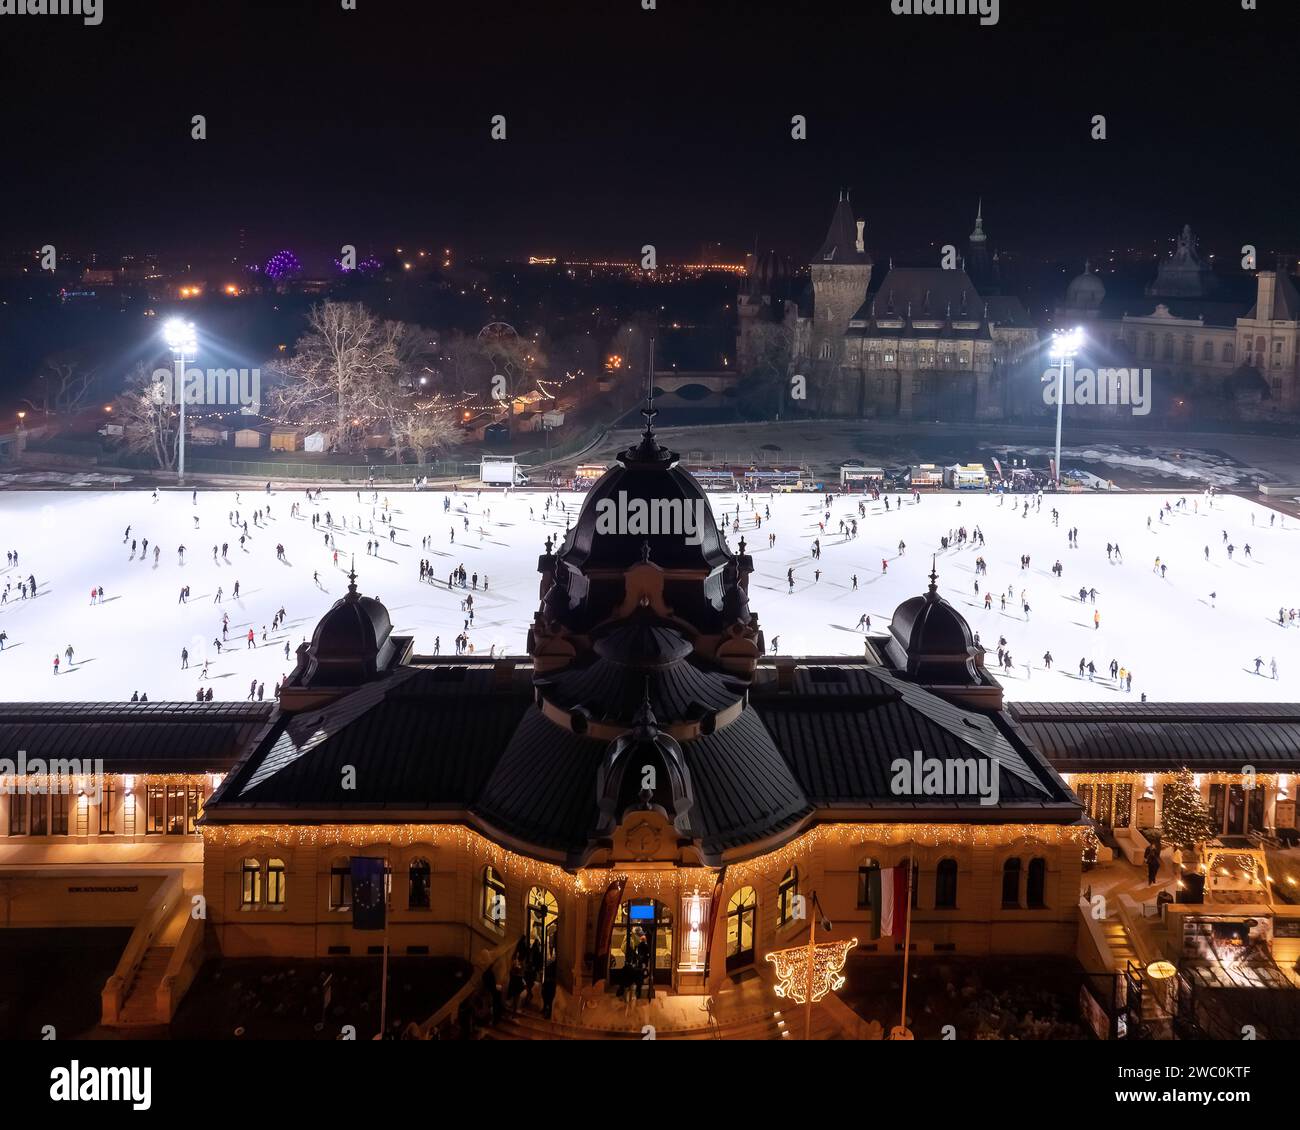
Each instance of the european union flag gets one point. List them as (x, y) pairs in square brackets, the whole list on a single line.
[(368, 902)]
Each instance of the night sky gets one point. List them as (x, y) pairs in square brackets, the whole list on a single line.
[(627, 127)]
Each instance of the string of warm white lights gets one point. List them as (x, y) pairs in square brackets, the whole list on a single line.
[(828, 959), (646, 880)]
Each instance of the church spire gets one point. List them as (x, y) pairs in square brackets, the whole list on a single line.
[(978, 236)]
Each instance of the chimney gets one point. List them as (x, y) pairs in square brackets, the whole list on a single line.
[(861, 245)]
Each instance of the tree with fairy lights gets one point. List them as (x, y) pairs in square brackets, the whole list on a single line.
[(1184, 821)]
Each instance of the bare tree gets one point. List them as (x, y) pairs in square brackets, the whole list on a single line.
[(766, 381), (342, 370), (149, 419), (464, 364), (422, 431), (71, 389)]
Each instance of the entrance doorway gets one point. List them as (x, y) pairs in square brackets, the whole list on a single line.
[(1236, 810), (642, 920), (543, 921)]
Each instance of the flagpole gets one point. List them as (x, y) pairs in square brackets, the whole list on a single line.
[(383, 988), (808, 977), (907, 932)]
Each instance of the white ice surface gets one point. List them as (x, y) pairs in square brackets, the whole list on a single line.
[(1165, 630)]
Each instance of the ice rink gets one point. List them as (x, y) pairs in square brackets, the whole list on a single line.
[(1179, 642)]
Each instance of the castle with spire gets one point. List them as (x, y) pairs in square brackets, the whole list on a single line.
[(927, 342)]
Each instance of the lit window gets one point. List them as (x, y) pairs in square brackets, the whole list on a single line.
[(494, 898), (341, 884), (275, 882), (250, 884), (742, 909), (786, 892)]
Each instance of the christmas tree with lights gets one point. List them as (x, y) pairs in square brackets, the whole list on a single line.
[(1185, 821)]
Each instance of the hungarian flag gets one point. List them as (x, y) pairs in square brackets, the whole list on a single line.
[(889, 902), (369, 906)]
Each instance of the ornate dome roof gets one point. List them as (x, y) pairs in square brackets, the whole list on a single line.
[(1085, 291), (645, 508), (932, 639), (352, 641)]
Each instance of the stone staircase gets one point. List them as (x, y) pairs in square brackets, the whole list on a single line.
[(138, 1006), (1121, 946)]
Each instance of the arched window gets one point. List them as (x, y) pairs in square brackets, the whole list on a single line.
[(276, 882), (1187, 348), (945, 885), (786, 891), (1149, 344), (417, 888), (826, 348), (1036, 885), (865, 868), (1167, 347), (494, 898), (341, 884), (1227, 351), (250, 885), (1207, 351), (1011, 883), (742, 911)]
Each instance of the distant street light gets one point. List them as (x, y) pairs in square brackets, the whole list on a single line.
[(182, 340), (1065, 345)]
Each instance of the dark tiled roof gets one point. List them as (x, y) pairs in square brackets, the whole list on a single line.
[(744, 788), (451, 738), (841, 242), (1007, 310), (157, 737), (842, 727), (929, 289), (682, 691), (543, 788), (423, 738), (1078, 737)]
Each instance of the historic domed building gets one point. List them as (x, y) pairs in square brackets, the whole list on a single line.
[(643, 768)]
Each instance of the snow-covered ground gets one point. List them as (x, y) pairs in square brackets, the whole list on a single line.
[(1179, 643)]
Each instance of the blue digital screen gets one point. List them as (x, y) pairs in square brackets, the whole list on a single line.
[(643, 913)]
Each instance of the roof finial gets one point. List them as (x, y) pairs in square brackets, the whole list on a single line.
[(649, 411), (934, 577), (352, 577)]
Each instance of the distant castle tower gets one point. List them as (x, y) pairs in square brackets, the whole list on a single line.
[(841, 274)]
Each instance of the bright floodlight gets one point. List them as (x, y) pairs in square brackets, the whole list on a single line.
[(180, 336), (1066, 343)]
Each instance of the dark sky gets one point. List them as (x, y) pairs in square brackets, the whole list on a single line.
[(627, 127)]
